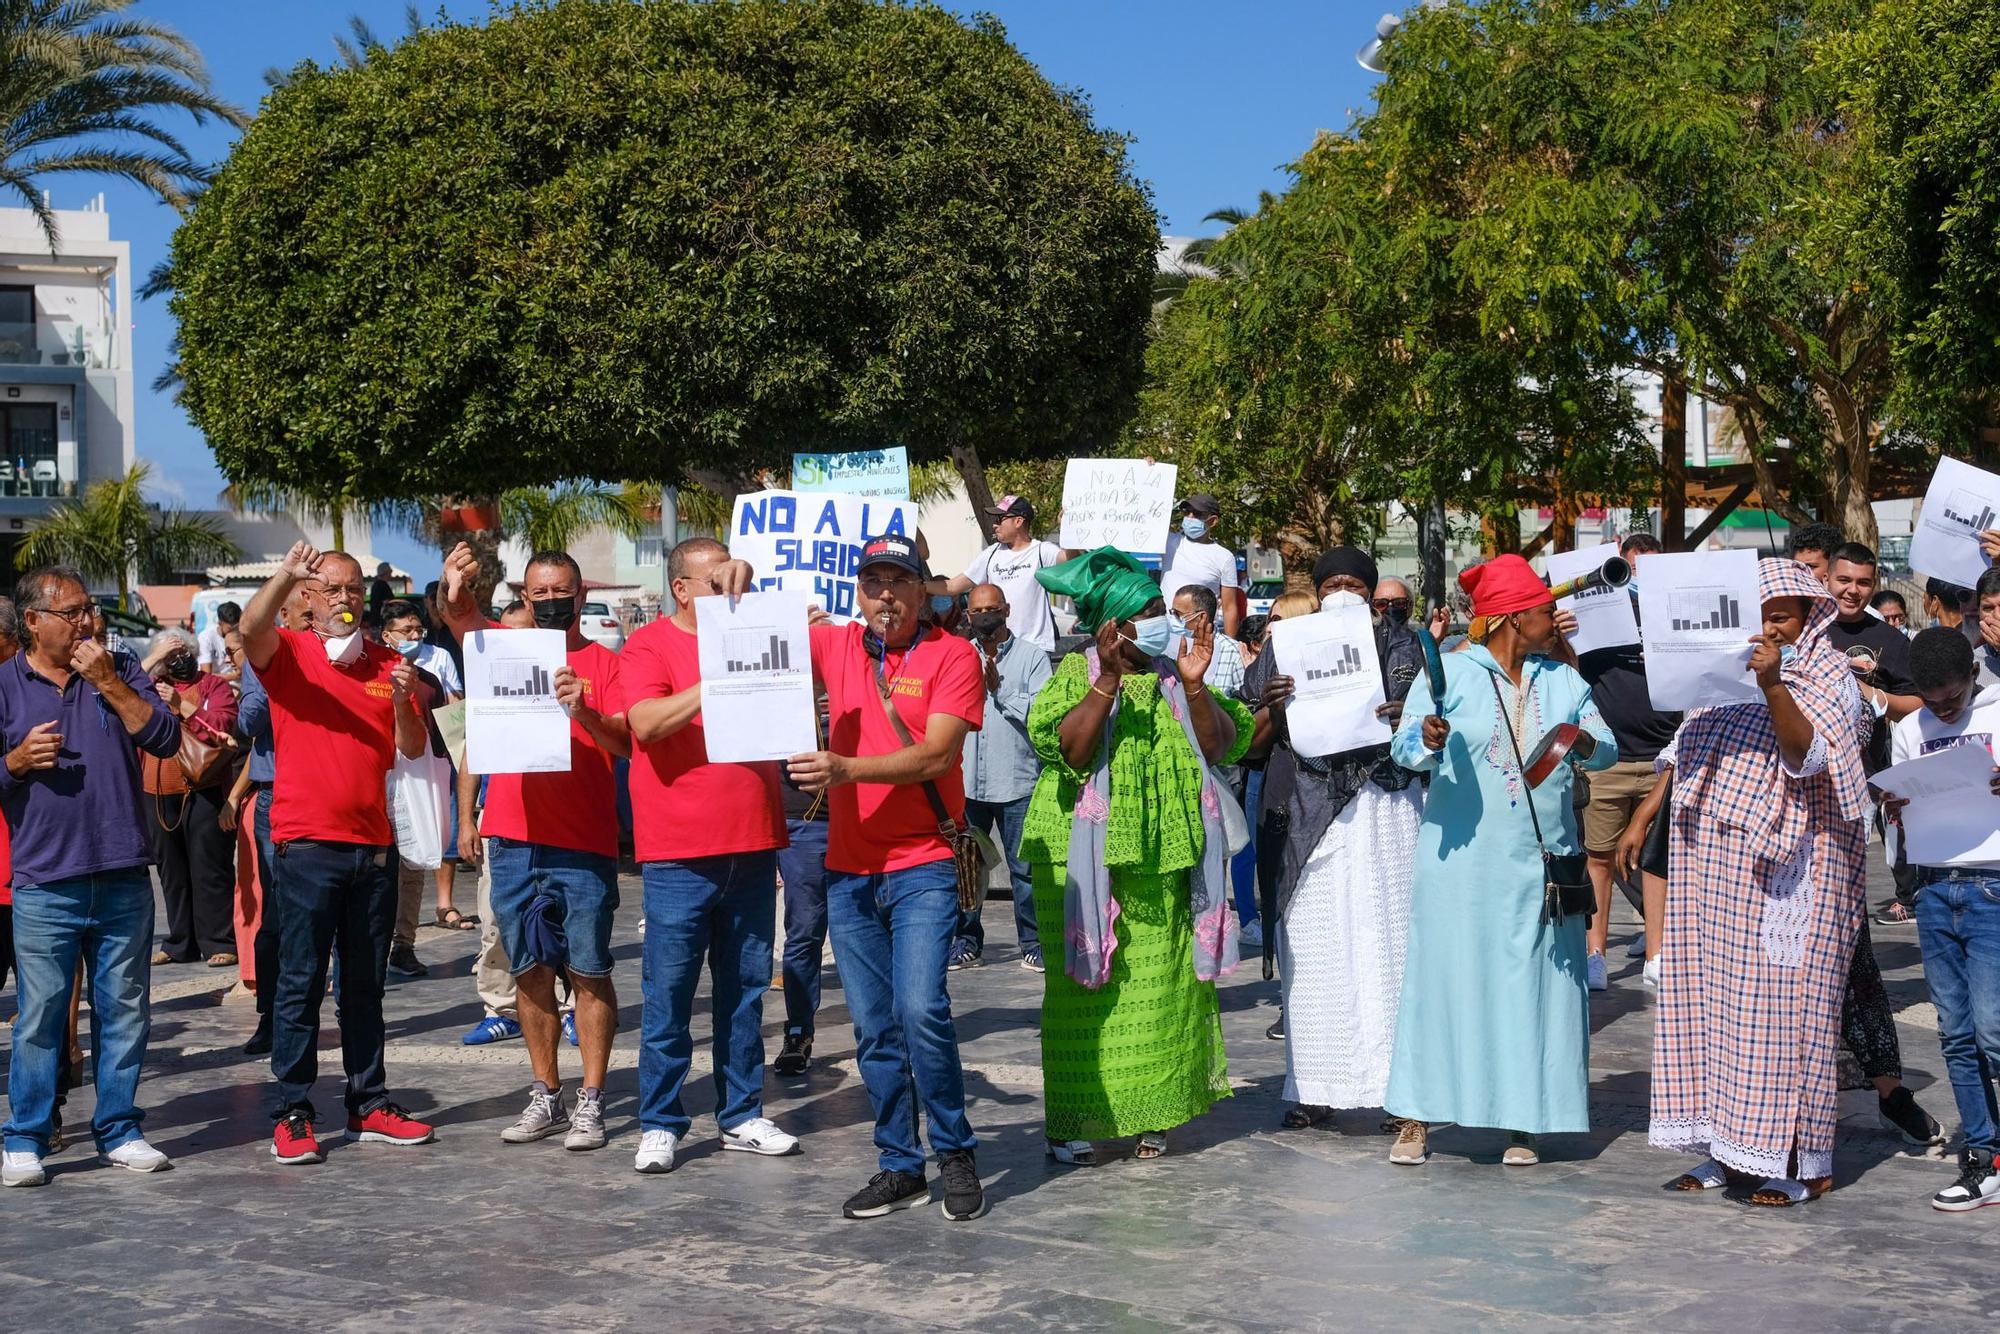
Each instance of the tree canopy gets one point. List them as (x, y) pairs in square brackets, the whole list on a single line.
[(634, 239)]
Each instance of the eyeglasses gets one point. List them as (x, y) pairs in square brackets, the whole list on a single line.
[(1392, 604), (74, 615), (352, 590), (876, 586)]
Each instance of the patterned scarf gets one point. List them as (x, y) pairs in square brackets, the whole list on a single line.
[(1726, 759), (1089, 910)]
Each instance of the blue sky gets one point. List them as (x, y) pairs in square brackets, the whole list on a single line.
[(1218, 98)]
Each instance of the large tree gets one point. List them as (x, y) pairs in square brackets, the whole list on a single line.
[(619, 239)]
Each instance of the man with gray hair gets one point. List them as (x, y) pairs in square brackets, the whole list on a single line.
[(72, 721)]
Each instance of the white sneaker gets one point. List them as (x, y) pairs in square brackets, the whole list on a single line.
[(759, 1135), (1252, 936), (543, 1116), (656, 1152), (136, 1156), (1595, 971), (22, 1169), (1650, 974)]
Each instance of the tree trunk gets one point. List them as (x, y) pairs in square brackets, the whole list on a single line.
[(965, 455), (485, 544), (1849, 424), (1500, 530), (338, 513), (1433, 536), (1673, 461)]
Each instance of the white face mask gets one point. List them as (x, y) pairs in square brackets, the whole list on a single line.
[(1340, 597), (345, 649)]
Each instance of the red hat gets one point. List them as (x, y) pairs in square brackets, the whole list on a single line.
[(1502, 585)]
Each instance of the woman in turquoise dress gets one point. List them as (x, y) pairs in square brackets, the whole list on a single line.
[(1494, 1028)]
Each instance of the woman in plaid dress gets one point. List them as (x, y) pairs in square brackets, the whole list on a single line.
[(1764, 900)]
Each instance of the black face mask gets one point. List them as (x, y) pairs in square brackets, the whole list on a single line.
[(554, 614), (182, 667), (987, 624), (1397, 615)]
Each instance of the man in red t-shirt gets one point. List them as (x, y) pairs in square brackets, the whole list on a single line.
[(341, 708), (892, 887), (707, 837), (555, 836)]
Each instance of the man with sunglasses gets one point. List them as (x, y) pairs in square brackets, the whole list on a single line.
[(74, 720), (892, 885), (1392, 601)]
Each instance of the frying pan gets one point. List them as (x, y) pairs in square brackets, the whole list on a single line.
[(1433, 668), (1561, 742)]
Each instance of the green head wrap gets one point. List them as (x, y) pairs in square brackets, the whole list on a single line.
[(1105, 584)]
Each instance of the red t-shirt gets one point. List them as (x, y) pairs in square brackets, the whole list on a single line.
[(577, 810), (878, 827), (684, 807), (333, 737)]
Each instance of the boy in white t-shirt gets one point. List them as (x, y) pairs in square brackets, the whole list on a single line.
[(1958, 910)]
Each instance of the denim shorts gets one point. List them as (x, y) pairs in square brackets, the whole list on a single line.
[(585, 882)]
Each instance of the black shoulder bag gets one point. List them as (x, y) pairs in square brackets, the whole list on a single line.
[(1566, 888)]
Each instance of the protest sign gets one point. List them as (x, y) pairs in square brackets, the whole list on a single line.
[(1953, 818), (1604, 616), (1697, 612), (1961, 503), (1123, 503), (859, 472), (513, 721), (810, 543), (756, 677), (1336, 680)]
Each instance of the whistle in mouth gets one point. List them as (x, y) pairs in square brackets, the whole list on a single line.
[(345, 617)]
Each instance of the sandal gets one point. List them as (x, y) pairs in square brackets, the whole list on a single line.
[(1784, 1192), (1152, 1144), (1306, 1114), (451, 919), (1711, 1175), (1073, 1152)]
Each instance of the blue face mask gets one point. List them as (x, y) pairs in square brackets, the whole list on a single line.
[(1194, 529), (1785, 655), (942, 604), (1151, 635), (408, 647)]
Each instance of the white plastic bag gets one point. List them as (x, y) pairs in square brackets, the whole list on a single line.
[(419, 809)]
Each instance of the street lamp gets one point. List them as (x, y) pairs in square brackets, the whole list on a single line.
[(1370, 55)]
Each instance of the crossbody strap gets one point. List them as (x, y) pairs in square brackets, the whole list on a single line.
[(1527, 793), (946, 825)]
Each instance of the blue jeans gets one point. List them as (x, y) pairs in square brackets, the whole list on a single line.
[(891, 939), (1243, 867), (107, 921), (338, 897), (1003, 821), (586, 883), (265, 947), (723, 909), (802, 866), (1958, 926)]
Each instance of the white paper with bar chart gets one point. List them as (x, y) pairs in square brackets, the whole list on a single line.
[(1961, 503), (756, 676), (513, 721), (1336, 679), (1698, 611)]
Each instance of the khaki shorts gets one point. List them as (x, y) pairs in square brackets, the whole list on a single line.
[(1614, 794)]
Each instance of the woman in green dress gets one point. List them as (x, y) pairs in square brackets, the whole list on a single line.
[(1125, 837)]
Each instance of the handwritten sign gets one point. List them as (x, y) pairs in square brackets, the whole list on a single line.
[(860, 472), (811, 543), (1123, 503)]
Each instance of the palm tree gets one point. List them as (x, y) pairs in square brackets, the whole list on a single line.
[(305, 508), (1197, 260), (76, 77), (357, 49), (115, 530), (552, 519)]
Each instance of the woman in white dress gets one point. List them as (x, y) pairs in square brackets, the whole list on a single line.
[(1344, 887)]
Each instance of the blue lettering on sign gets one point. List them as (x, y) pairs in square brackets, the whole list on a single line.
[(829, 517), (776, 514), (894, 522)]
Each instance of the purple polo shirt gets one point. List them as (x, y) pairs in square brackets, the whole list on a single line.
[(87, 814)]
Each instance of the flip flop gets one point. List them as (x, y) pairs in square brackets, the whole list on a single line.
[(1305, 1115), (1784, 1192), (1152, 1144), (1711, 1175), (451, 919)]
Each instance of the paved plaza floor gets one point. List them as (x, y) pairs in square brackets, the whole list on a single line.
[(1242, 1226)]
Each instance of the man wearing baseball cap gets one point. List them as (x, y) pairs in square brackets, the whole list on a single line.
[(1194, 557), (900, 698), (1011, 563)]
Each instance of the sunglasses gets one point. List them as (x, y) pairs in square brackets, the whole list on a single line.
[(1391, 604)]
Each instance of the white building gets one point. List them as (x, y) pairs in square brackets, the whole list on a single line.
[(65, 364)]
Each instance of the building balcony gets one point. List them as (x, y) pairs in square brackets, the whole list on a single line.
[(54, 344)]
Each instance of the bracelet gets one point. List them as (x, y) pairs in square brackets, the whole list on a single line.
[(1108, 694)]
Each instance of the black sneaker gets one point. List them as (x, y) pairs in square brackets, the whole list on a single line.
[(885, 1193), (1895, 913), (796, 1056), (403, 962), (1901, 1114), (964, 1197), (964, 954), (260, 1041), (1276, 1032), (1977, 1184)]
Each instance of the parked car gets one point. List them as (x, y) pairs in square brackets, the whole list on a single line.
[(1259, 597), (601, 626)]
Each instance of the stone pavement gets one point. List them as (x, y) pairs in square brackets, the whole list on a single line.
[(1242, 1226)]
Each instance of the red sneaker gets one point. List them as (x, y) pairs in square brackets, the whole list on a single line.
[(293, 1143), (389, 1124)]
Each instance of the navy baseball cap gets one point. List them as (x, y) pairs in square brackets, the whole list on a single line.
[(892, 549)]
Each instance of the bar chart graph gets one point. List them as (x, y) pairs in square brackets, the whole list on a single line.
[(1966, 507), (533, 678), (1701, 609), (756, 651), (1347, 664)]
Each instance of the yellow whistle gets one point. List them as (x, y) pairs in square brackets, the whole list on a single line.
[(346, 617)]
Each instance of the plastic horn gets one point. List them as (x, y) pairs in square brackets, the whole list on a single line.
[(1616, 572)]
